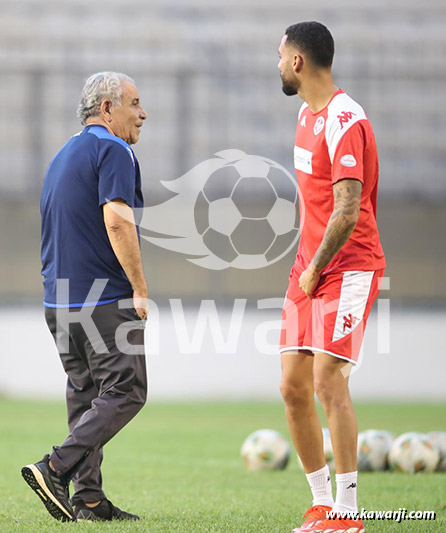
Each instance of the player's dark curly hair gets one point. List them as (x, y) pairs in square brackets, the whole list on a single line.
[(314, 40)]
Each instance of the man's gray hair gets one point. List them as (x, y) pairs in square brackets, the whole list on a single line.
[(99, 86)]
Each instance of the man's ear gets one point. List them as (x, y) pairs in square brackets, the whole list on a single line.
[(106, 109), (298, 63)]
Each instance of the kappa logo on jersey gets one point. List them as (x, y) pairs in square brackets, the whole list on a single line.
[(318, 127), (303, 122), (348, 160), (349, 321), (344, 117)]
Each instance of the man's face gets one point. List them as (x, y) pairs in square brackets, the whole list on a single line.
[(128, 118), (290, 85)]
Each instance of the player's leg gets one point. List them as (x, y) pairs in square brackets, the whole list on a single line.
[(327, 337), (297, 378), (300, 409), (331, 380), (305, 430), (331, 385), (338, 324), (298, 394)]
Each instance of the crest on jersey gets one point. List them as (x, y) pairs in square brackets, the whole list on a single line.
[(319, 125)]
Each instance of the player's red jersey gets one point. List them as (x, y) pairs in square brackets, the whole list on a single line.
[(334, 144)]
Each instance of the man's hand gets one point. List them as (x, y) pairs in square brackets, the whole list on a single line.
[(308, 280), (141, 305)]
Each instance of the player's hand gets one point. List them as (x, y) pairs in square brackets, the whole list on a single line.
[(308, 280), (141, 304)]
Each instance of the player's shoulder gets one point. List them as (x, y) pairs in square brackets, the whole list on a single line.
[(343, 105), (343, 112)]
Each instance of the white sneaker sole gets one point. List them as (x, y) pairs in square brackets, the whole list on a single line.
[(32, 475)]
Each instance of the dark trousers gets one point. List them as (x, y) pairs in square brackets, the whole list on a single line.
[(104, 390)]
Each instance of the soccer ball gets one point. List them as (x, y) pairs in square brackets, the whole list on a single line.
[(246, 212), (438, 440), (265, 449), (413, 452), (328, 451), (373, 449)]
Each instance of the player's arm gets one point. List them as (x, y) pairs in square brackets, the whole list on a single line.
[(121, 230), (342, 222)]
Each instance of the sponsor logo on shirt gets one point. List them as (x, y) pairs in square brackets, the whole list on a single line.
[(303, 160), (344, 117), (320, 122), (348, 160)]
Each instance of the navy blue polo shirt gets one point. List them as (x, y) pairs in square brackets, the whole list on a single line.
[(93, 167)]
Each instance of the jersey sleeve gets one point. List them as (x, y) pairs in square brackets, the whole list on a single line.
[(348, 157), (116, 174)]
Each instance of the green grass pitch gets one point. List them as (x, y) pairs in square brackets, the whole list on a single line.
[(178, 466)]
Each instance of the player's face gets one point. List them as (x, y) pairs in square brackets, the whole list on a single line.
[(128, 118), (286, 72)]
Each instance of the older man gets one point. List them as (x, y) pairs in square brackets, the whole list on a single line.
[(95, 293)]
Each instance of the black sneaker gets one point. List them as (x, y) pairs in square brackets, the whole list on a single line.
[(102, 512), (51, 489)]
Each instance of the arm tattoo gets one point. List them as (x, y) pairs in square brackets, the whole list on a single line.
[(342, 222)]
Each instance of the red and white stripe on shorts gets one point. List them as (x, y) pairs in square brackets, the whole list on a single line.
[(334, 320)]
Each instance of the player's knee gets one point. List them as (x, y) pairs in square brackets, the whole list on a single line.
[(331, 392), (331, 386), (324, 390), (295, 392)]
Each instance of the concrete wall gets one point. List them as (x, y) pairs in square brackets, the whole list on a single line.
[(405, 366)]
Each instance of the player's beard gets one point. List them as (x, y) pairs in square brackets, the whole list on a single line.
[(287, 88)]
